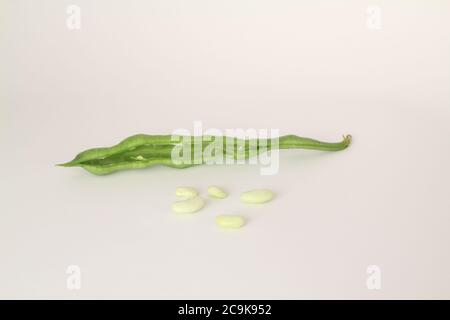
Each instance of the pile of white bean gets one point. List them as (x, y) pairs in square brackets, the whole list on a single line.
[(190, 202)]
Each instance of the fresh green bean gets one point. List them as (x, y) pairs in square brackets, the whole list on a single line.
[(141, 151)]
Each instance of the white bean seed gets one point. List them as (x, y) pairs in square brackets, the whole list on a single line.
[(216, 192), (257, 196), (188, 206), (186, 192), (230, 222)]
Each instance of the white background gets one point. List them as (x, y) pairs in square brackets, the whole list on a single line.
[(311, 68)]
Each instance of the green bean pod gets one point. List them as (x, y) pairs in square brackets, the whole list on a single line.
[(142, 151)]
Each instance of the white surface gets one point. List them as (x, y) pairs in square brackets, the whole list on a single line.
[(311, 69)]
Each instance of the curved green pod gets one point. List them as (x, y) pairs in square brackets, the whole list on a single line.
[(142, 151)]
